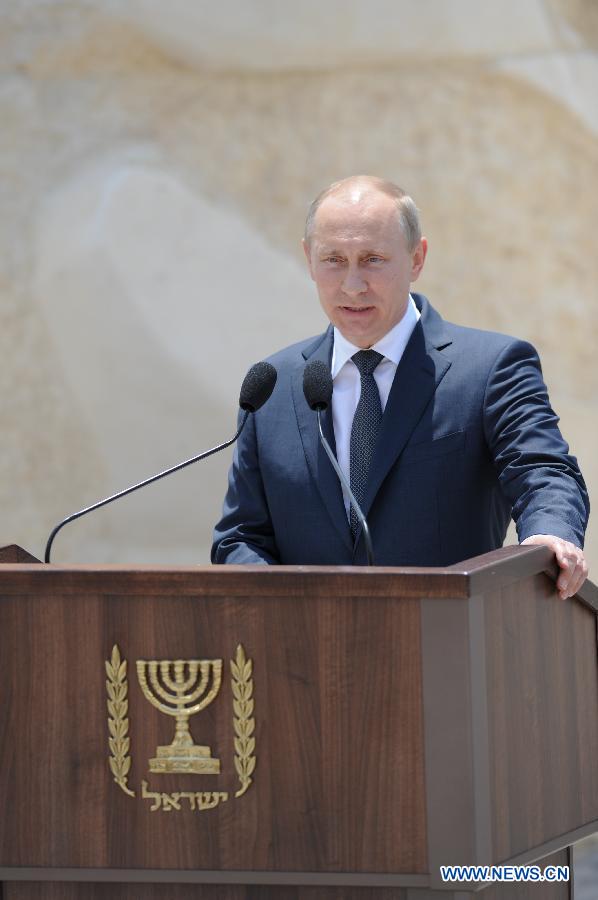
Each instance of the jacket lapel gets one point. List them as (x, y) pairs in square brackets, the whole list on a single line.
[(420, 371), (318, 463)]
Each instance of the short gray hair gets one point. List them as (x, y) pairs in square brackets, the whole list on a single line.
[(408, 211)]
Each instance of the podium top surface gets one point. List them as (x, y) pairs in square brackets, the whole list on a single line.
[(462, 580)]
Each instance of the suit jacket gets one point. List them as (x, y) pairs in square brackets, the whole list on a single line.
[(468, 438)]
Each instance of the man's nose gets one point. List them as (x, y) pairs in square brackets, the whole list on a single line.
[(354, 283)]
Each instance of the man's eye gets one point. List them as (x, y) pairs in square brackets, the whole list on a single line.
[(332, 259), (374, 259)]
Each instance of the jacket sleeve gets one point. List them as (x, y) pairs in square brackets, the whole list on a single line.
[(245, 533), (536, 472)]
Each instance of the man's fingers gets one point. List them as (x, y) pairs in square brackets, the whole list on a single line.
[(570, 560), (578, 577), (564, 579), (562, 555), (574, 571)]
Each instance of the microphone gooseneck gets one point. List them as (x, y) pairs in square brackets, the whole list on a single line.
[(317, 387), (257, 386)]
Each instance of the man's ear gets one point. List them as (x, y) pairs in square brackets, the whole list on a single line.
[(418, 258), (307, 251)]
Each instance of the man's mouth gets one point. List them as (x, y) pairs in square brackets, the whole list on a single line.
[(356, 310)]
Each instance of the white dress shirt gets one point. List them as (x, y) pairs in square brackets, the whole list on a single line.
[(347, 382)]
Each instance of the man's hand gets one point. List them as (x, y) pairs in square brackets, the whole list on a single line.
[(570, 559)]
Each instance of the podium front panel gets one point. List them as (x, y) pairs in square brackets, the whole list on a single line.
[(324, 746)]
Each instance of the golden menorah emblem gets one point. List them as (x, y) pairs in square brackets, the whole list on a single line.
[(181, 694)]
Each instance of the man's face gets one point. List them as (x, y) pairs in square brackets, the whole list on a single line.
[(362, 268)]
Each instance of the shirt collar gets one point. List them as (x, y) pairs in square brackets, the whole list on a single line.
[(391, 346)]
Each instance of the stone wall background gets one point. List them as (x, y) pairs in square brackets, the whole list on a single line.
[(156, 164)]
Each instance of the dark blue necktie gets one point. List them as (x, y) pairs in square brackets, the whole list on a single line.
[(365, 428)]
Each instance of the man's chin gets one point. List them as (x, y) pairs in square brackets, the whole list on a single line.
[(358, 327)]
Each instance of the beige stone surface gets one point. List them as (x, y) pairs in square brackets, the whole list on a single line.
[(270, 36), (147, 278), (152, 203), (572, 78), (581, 16)]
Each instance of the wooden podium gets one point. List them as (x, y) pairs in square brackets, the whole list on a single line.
[(355, 729)]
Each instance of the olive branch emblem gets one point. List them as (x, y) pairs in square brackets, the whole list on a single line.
[(243, 721), (118, 723)]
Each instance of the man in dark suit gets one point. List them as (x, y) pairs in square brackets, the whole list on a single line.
[(445, 432)]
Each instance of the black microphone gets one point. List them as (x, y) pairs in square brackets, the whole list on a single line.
[(317, 387), (257, 386)]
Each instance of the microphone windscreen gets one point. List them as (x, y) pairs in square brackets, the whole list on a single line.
[(257, 386), (317, 384)]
